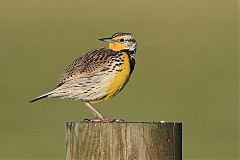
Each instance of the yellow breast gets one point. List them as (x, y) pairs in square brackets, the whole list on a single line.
[(121, 78), (119, 81)]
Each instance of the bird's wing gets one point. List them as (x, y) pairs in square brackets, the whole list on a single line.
[(87, 65)]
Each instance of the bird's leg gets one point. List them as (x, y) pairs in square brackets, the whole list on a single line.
[(99, 117)]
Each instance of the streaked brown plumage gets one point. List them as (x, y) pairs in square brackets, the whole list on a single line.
[(99, 74)]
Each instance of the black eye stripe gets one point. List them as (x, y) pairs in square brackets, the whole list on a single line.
[(120, 34), (131, 40)]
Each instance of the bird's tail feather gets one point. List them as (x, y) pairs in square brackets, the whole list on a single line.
[(40, 97)]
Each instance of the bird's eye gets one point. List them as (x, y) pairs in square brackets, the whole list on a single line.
[(121, 40)]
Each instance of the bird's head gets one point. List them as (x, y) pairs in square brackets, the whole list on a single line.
[(121, 41)]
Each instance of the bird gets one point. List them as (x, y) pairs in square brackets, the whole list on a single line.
[(98, 75)]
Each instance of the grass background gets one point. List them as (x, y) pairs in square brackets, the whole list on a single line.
[(186, 71)]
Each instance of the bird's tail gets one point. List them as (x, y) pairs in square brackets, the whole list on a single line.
[(40, 97)]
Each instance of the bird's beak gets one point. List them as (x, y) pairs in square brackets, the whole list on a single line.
[(109, 40)]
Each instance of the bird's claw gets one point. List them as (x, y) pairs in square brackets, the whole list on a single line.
[(103, 120), (117, 120), (94, 120)]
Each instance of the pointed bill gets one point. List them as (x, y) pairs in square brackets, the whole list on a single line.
[(109, 40)]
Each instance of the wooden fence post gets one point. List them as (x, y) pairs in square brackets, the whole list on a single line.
[(123, 141)]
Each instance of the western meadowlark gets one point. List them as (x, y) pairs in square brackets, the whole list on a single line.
[(99, 74)]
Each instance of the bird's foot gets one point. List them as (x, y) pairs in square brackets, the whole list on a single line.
[(103, 120), (94, 120), (117, 120)]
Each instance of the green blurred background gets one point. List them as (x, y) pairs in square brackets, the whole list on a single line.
[(186, 71)]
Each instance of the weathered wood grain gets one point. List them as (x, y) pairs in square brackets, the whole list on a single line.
[(123, 141)]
